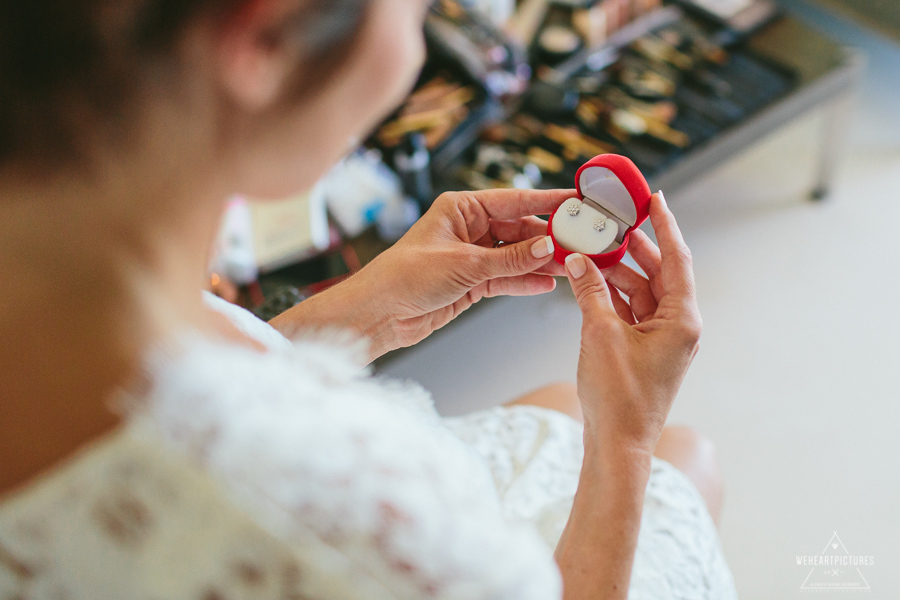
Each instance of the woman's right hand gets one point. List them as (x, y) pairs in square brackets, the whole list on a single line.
[(635, 353)]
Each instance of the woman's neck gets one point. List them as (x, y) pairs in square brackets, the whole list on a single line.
[(93, 272)]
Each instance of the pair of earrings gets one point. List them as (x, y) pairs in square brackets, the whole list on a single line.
[(575, 210)]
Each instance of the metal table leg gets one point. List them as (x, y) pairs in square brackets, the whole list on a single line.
[(834, 140)]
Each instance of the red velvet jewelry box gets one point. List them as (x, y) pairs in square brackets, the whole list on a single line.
[(612, 186)]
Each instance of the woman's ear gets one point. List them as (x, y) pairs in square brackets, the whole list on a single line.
[(256, 56)]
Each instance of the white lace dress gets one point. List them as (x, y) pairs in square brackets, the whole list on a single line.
[(293, 475)]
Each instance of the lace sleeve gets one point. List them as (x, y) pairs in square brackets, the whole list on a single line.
[(373, 499)]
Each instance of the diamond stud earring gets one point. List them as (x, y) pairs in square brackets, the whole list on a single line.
[(599, 224), (574, 209)]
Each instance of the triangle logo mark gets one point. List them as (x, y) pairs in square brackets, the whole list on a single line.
[(835, 570)]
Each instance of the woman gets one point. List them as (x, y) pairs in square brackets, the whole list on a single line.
[(156, 445)]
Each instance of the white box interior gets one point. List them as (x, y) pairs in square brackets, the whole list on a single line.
[(606, 200)]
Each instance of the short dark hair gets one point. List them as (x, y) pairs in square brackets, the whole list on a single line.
[(68, 67)]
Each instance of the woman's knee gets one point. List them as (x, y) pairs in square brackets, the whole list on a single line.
[(694, 454)]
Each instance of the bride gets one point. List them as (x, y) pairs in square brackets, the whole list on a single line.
[(157, 443)]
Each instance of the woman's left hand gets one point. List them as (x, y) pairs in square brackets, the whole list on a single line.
[(468, 246)]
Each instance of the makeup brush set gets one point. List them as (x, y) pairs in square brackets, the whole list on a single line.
[(654, 99), (528, 104), (472, 72)]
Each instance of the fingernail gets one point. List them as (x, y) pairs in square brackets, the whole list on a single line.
[(662, 197), (543, 248), (575, 265)]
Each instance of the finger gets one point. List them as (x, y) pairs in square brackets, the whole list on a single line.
[(552, 268), (646, 255), (485, 241), (511, 260), (677, 271), (636, 287), (516, 230), (511, 204), (523, 285), (591, 290), (622, 308)]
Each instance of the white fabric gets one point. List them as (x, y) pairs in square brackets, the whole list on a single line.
[(292, 474), (535, 458)]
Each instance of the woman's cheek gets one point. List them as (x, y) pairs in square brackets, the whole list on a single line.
[(398, 55)]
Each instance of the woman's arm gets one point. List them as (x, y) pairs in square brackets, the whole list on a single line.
[(444, 264), (596, 550), (634, 356), (347, 306)]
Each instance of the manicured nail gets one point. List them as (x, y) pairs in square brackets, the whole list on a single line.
[(543, 248), (662, 197), (575, 265)]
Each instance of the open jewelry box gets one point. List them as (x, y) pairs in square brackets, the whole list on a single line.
[(613, 200)]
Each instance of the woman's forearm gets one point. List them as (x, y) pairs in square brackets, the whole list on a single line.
[(346, 306), (596, 551)]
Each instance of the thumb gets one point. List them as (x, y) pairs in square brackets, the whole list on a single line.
[(512, 260), (591, 290)]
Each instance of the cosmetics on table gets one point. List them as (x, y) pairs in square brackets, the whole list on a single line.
[(740, 16), (435, 109), (413, 163), (652, 91), (557, 43)]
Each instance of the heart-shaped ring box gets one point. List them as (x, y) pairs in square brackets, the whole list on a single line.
[(613, 200)]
